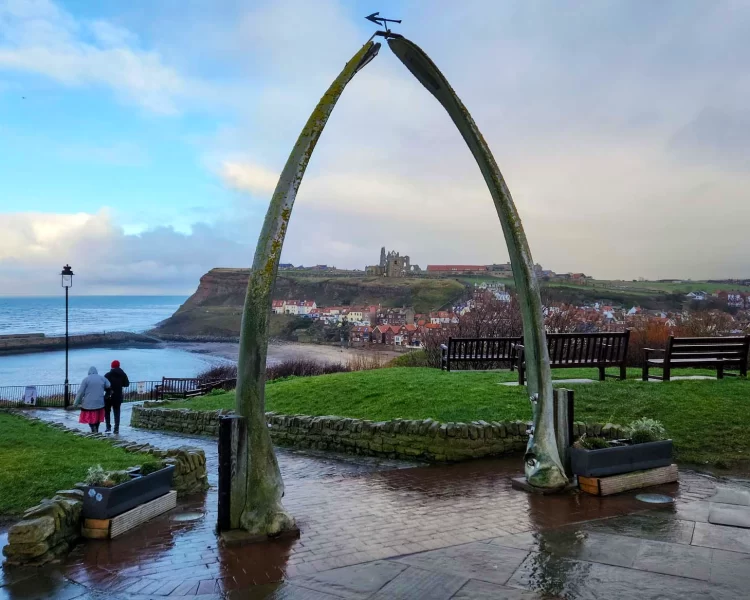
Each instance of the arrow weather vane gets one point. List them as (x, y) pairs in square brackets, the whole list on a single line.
[(382, 21)]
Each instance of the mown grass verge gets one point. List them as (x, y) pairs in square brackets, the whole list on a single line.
[(37, 460), (709, 421)]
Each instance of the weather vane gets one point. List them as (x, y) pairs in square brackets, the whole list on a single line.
[(382, 21)]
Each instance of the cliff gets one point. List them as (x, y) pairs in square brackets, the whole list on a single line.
[(215, 309)]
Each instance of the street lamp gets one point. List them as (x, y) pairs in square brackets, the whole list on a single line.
[(67, 282)]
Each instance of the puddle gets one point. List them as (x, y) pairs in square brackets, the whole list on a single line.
[(655, 498), (187, 516)]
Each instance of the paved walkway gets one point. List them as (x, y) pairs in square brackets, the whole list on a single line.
[(377, 529)]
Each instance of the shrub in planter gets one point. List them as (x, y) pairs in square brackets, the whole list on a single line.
[(646, 430), (647, 450), (107, 495), (149, 468)]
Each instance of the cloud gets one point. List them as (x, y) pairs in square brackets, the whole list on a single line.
[(623, 134), (248, 177), (44, 39), (34, 246), (600, 119), (717, 135)]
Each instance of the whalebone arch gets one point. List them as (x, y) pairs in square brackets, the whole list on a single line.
[(263, 512)]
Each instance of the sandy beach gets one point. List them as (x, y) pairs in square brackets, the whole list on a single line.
[(279, 351)]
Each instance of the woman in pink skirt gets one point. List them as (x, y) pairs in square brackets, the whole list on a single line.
[(90, 398)]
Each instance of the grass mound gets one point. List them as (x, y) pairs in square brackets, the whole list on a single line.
[(709, 421), (37, 460)]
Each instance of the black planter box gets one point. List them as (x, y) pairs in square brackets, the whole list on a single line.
[(108, 502), (621, 459)]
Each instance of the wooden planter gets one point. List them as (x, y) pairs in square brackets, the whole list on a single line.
[(621, 459), (108, 502)]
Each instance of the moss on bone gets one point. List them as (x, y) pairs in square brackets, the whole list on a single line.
[(543, 466), (263, 512)]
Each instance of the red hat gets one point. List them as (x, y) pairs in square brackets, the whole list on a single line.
[(115, 364)]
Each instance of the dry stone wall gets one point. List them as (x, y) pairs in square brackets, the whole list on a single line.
[(47, 531), (399, 438)]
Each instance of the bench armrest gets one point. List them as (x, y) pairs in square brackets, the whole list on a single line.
[(519, 351), (443, 347), (648, 351)]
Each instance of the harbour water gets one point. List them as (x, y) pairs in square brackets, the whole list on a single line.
[(93, 314), (141, 364), (87, 314), (125, 313)]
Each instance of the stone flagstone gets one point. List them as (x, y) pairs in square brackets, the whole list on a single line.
[(486, 562), (726, 495), (735, 516)]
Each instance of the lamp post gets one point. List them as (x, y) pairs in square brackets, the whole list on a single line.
[(67, 282)]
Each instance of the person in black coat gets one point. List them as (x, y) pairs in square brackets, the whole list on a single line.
[(118, 379)]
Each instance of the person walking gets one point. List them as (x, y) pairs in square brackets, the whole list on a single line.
[(90, 398), (118, 379)]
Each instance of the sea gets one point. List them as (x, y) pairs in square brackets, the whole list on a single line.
[(94, 314)]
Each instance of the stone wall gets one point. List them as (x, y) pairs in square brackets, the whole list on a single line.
[(423, 440), (46, 531), (42, 343)]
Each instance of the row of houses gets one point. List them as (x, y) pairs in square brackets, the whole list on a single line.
[(735, 299), (392, 335), (369, 315)]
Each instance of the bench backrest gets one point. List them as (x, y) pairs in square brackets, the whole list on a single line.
[(600, 348), (483, 348), (730, 349), (179, 384)]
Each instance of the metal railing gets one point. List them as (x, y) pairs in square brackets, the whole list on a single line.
[(54, 394)]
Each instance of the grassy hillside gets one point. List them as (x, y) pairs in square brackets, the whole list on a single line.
[(215, 309), (708, 420), (648, 294)]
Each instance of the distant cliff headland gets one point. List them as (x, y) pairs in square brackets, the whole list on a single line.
[(214, 311)]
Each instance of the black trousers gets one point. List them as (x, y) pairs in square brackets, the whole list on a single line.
[(112, 406)]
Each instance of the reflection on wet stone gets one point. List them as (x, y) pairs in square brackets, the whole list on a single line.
[(358, 581), (576, 580), (487, 562), (646, 526), (723, 538), (674, 559), (731, 569), (481, 590), (416, 584)]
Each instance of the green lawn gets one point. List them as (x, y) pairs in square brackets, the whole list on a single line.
[(708, 420), (36, 460)]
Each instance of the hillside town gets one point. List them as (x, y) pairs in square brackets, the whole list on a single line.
[(402, 326)]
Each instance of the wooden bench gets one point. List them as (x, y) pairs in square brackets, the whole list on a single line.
[(205, 388), (574, 350), (718, 353), (478, 350), (175, 386)]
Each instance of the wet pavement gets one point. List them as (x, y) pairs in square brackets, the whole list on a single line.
[(388, 529)]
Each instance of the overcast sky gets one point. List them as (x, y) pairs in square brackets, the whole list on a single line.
[(141, 141)]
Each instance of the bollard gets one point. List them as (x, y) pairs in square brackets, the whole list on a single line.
[(564, 418), (232, 471)]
